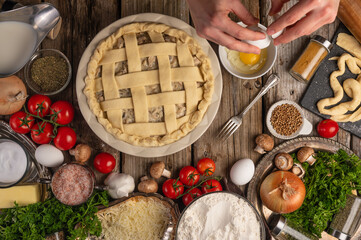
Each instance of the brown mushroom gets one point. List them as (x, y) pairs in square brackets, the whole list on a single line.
[(283, 161), (264, 143), (158, 169), (147, 185), (305, 154), (298, 170)]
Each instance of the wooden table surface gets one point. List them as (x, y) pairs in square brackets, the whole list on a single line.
[(83, 19)]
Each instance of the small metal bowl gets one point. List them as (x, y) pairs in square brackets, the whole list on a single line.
[(262, 226), (26, 172), (43, 53)]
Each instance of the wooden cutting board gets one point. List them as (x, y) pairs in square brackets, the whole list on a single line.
[(319, 86)]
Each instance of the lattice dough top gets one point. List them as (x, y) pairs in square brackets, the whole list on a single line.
[(149, 84)]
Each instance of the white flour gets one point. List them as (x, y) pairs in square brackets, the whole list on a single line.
[(219, 216)]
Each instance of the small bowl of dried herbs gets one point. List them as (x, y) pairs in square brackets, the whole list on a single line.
[(285, 120), (48, 72)]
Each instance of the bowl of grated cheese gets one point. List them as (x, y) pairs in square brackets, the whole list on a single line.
[(220, 215)]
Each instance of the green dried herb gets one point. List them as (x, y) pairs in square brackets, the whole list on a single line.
[(49, 73)]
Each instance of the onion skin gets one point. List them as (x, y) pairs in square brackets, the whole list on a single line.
[(273, 198), (12, 95)]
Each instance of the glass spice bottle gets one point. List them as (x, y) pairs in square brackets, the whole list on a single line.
[(346, 222), (307, 64), (286, 230)]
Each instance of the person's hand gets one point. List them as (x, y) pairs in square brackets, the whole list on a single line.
[(303, 18), (211, 20)]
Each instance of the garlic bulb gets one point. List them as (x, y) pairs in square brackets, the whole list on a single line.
[(119, 184)]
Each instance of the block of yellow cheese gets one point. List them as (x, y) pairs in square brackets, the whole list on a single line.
[(23, 195)]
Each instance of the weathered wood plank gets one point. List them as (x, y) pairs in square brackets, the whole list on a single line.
[(237, 94), (289, 88), (86, 19), (135, 166)]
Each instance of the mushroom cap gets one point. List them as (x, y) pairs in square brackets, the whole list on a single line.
[(148, 186), (304, 153), (157, 169), (298, 170), (265, 141), (284, 161)]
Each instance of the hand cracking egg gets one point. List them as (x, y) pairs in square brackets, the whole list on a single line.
[(247, 63)]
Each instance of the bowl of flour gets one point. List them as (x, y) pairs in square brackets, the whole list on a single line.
[(220, 215)]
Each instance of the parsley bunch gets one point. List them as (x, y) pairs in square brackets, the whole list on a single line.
[(328, 182), (38, 220)]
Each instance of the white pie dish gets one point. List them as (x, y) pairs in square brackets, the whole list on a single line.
[(148, 151)]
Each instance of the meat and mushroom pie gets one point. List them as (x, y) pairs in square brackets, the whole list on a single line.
[(149, 84)]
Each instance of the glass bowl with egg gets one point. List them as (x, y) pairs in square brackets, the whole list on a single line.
[(249, 65), (14, 163), (220, 215), (48, 72)]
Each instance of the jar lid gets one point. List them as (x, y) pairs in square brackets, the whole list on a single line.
[(277, 223), (339, 235), (327, 44)]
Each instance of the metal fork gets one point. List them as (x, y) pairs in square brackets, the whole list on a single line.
[(233, 124)]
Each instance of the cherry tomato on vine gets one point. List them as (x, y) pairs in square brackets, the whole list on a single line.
[(21, 123), (172, 188), (189, 176), (41, 133), (65, 138), (104, 162), (191, 195), (211, 185), (327, 128), (206, 166), (64, 112), (39, 105)]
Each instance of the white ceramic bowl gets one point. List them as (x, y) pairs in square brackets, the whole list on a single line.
[(271, 58), (304, 129)]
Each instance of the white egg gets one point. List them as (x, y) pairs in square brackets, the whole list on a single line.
[(49, 156), (242, 171)]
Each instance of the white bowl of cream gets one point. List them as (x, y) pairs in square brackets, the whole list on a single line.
[(14, 163)]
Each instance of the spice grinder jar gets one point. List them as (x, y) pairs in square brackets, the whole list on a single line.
[(311, 58)]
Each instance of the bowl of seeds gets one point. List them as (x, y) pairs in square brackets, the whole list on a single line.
[(285, 120), (48, 72)]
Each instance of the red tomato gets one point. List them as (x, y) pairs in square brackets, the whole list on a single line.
[(191, 195), (327, 128), (189, 176), (64, 112), (206, 166), (42, 133), (104, 162), (65, 138), (211, 185), (39, 105), (21, 123), (172, 188)]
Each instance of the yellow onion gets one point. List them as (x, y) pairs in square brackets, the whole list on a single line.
[(12, 95), (282, 192)]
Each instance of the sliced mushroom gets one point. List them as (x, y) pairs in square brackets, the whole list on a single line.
[(264, 143), (284, 161), (147, 185), (305, 154), (298, 170), (158, 169)]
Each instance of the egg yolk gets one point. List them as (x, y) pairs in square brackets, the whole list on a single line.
[(249, 58)]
